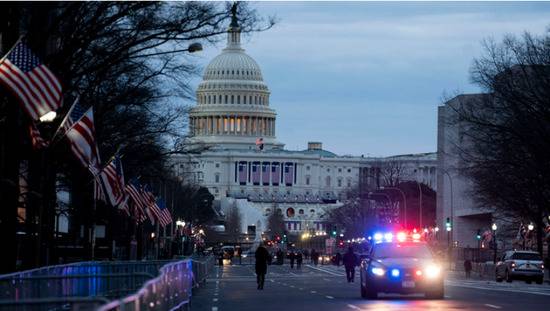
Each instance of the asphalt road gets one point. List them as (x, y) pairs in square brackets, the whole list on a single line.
[(325, 288)]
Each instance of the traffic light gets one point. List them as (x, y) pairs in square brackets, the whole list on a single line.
[(334, 231), (478, 236), (341, 243), (448, 225)]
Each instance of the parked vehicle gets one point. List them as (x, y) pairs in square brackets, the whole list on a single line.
[(524, 265)]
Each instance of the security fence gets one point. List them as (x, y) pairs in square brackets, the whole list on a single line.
[(94, 285)]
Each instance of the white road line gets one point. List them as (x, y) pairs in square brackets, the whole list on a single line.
[(292, 286), (325, 271), (271, 281), (492, 306), (215, 299), (329, 297), (214, 308), (217, 282), (498, 289), (326, 279), (313, 292), (447, 296), (354, 307), (215, 294), (301, 288)]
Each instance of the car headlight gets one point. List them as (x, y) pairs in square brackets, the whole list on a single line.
[(433, 271), (378, 271)]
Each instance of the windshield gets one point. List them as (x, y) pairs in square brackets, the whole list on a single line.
[(526, 256), (391, 250)]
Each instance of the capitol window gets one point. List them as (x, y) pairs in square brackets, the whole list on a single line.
[(339, 170), (232, 99), (244, 100), (217, 178), (238, 99), (214, 99), (301, 211), (327, 180), (307, 180), (339, 182)]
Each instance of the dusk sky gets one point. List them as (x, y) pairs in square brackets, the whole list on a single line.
[(367, 77)]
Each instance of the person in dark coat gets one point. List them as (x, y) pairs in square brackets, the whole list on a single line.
[(338, 258), (467, 267), (299, 260), (292, 257), (262, 257), (350, 261), (314, 257)]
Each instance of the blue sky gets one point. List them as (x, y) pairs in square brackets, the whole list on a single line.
[(367, 77)]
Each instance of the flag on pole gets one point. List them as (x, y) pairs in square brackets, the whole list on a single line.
[(36, 87), (112, 182), (260, 143), (81, 135), (134, 194), (165, 216), (152, 209)]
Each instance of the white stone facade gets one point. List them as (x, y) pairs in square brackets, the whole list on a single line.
[(454, 199), (232, 112)]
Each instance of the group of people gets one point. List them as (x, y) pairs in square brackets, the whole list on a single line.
[(263, 259)]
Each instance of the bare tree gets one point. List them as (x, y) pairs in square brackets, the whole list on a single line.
[(506, 131), (275, 222), (233, 223)]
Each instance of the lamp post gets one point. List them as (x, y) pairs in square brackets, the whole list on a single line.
[(494, 228), (404, 202), (530, 228), (451, 188)]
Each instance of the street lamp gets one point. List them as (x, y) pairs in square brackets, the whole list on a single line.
[(48, 117), (494, 228)]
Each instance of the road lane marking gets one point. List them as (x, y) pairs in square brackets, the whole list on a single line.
[(326, 279), (329, 297), (325, 271), (301, 288), (492, 306), (292, 286), (215, 299), (497, 289), (354, 307), (215, 294), (313, 292), (214, 308), (447, 296)]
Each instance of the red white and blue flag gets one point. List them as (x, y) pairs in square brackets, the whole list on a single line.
[(289, 173), (153, 210), (81, 135), (37, 141), (139, 203), (165, 216), (242, 173), (112, 183), (265, 173), (36, 87), (256, 172), (275, 173)]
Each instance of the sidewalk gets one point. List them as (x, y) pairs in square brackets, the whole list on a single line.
[(481, 271)]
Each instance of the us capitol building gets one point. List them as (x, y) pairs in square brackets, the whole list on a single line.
[(232, 112)]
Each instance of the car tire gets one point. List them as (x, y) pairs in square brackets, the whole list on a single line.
[(497, 277), (367, 293), (539, 280), (508, 277), (438, 293)]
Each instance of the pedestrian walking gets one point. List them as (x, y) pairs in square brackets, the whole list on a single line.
[(292, 257), (350, 261), (314, 257), (306, 254), (280, 257), (262, 257), (467, 267), (299, 259), (338, 258)]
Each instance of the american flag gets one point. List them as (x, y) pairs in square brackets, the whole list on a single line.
[(36, 87), (37, 141), (165, 216), (82, 138), (73, 115), (242, 172), (260, 143), (112, 183), (134, 193), (275, 173), (153, 211), (256, 172), (289, 173), (265, 173)]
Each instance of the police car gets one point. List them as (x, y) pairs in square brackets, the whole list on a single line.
[(401, 264)]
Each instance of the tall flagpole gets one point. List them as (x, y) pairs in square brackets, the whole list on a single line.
[(93, 222)]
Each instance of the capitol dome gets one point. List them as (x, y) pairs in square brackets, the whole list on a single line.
[(232, 100)]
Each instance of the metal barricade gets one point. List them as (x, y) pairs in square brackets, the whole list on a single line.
[(76, 286), (171, 290)]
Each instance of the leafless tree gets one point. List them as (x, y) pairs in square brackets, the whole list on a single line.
[(233, 223), (507, 132)]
